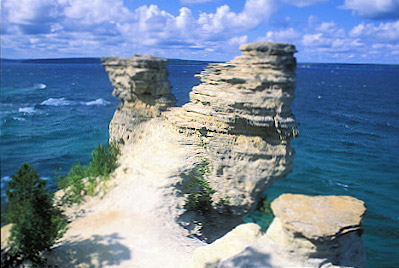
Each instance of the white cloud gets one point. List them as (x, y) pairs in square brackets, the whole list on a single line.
[(303, 3), (94, 11), (289, 35), (384, 32), (238, 40), (374, 9), (103, 27), (364, 42), (331, 28), (195, 1), (27, 11), (254, 13)]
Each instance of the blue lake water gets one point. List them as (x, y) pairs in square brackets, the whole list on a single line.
[(54, 114)]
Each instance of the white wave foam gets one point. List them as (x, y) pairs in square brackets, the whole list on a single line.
[(99, 101), (345, 186), (19, 119), (56, 102), (4, 186), (27, 110), (39, 86), (5, 179)]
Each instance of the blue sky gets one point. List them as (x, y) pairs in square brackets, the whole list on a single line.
[(347, 31)]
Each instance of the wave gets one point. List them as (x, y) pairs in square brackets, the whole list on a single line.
[(66, 102), (18, 119), (4, 186), (99, 101), (5, 179), (27, 110), (331, 182), (39, 86), (56, 102)]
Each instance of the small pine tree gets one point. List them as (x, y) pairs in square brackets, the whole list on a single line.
[(104, 160), (37, 223)]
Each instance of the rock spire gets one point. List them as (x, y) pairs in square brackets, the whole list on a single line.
[(141, 82), (242, 113)]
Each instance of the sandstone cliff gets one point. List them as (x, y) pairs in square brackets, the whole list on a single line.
[(141, 83), (319, 231), (242, 114), (239, 121)]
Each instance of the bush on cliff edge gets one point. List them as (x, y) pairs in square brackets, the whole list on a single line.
[(82, 180), (37, 223)]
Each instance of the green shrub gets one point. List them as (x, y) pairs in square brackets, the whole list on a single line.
[(73, 184), (82, 180), (37, 223), (104, 160), (266, 208), (199, 192)]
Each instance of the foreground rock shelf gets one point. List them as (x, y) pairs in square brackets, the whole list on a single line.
[(308, 231)]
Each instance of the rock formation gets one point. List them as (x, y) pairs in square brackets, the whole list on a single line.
[(141, 82), (319, 231), (241, 112), (238, 120)]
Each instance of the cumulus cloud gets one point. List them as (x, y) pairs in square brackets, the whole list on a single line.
[(254, 13), (303, 3), (326, 41), (195, 1), (145, 28), (373, 9), (365, 41), (289, 36), (105, 27), (383, 32), (238, 40)]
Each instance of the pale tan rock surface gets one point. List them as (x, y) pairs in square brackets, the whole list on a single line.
[(240, 120), (135, 224), (319, 217), (308, 231), (5, 234), (242, 113), (141, 82), (227, 246)]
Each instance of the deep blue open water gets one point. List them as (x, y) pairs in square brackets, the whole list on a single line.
[(54, 114)]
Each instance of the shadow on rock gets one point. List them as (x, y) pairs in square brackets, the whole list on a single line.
[(97, 251), (250, 257)]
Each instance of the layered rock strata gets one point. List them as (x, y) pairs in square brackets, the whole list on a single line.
[(241, 117), (141, 82), (242, 114), (319, 231)]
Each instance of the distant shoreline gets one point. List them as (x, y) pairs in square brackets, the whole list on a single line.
[(95, 60)]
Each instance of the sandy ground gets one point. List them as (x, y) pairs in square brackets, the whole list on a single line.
[(134, 225)]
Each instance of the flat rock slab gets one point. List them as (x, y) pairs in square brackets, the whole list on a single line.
[(319, 217)]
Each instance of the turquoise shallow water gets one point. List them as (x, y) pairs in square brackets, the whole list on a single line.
[(54, 114)]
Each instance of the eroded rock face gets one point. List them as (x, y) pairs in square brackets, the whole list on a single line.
[(226, 247), (141, 82), (325, 228), (242, 114), (308, 231)]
